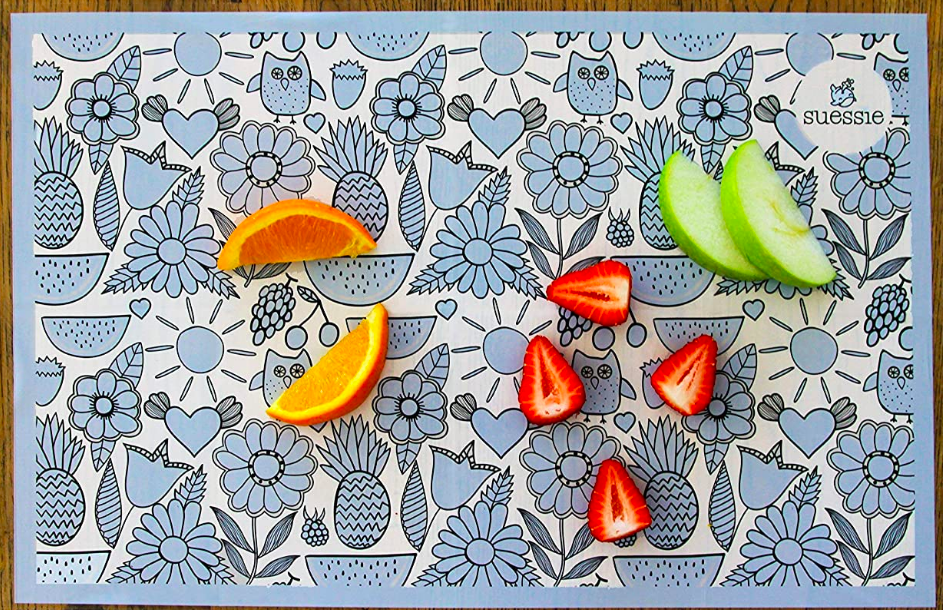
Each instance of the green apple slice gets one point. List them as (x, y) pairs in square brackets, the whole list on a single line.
[(766, 223), (690, 206)]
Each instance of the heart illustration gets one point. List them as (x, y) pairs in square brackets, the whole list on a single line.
[(314, 122), (501, 433), (140, 308), (754, 309), (497, 133), (625, 421), (788, 127), (191, 133), (194, 431), (621, 121), (807, 432), (446, 308)]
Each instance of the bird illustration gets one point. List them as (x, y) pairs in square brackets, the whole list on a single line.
[(896, 73), (592, 85), (286, 85)]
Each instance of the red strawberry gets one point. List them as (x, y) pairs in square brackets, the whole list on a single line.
[(685, 381), (550, 391), (617, 508), (599, 293)]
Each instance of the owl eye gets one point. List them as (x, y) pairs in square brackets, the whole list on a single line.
[(893, 372), (904, 74), (297, 371), (601, 72), (583, 73), (294, 73), (604, 371), (278, 371), (909, 371), (888, 74), (586, 372), (277, 73)]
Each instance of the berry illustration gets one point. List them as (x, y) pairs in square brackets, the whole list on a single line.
[(887, 311), (272, 311), (619, 233), (571, 326), (624, 543), (314, 532)]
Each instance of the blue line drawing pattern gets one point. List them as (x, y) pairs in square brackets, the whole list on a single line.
[(485, 165)]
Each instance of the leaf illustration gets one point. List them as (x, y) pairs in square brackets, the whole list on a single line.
[(223, 223), (542, 561), (130, 363), (270, 270), (106, 211), (889, 236), (127, 66), (101, 451), (431, 66), (540, 259), (738, 577), (108, 507), (525, 282), (711, 155), (498, 490), (219, 283), (277, 566), (581, 541), (742, 364), (231, 530), (583, 264), (893, 567), (403, 155), (728, 286), (583, 236), (235, 559), (893, 535), (714, 454), (888, 268), (537, 231), (193, 488), (539, 532), (851, 562), (846, 530), (430, 577), (414, 510), (807, 490), (406, 454), (583, 568), (843, 232), (98, 155), (428, 281), (722, 509), (804, 190), (435, 365), (278, 534), (412, 209), (308, 295), (190, 189), (847, 262), (497, 190), (739, 66), (122, 280), (125, 574), (838, 287), (835, 576)]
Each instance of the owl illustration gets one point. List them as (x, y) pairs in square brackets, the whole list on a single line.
[(279, 373), (286, 85), (592, 85), (896, 74), (894, 382), (603, 382)]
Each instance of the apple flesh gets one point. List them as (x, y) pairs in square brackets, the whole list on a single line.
[(767, 225), (690, 206)]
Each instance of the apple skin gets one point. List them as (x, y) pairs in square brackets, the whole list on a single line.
[(734, 264), (809, 268)]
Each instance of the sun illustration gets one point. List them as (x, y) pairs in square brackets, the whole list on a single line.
[(200, 350), (503, 347), (814, 351), (198, 55), (503, 54)]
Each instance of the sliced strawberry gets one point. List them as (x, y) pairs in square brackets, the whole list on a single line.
[(685, 381), (550, 391), (599, 293), (617, 508)]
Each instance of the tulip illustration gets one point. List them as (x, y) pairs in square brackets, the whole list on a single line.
[(654, 83), (769, 110), (763, 478), (454, 177), (347, 83), (150, 474), (148, 177), (47, 78), (49, 373), (456, 478)]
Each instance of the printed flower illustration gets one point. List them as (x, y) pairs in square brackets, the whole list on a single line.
[(267, 468), (477, 251), (728, 416), (407, 109), (715, 110), (453, 177), (479, 548), (170, 251), (875, 181), (105, 407), (456, 478), (563, 464), (763, 478), (787, 549), (150, 474), (410, 408), (570, 170), (875, 469), (103, 110), (262, 165), (172, 548)]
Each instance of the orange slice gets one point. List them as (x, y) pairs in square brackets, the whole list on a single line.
[(342, 379), (294, 230)]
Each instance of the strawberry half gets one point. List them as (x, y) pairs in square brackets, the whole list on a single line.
[(599, 293), (550, 391), (617, 508), (685, 381)]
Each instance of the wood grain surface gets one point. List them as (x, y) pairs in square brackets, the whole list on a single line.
[(934, 8)]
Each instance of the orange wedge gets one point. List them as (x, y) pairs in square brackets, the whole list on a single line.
[(342, 379), (294, 230)]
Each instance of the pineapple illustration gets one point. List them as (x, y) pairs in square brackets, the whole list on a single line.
[(353, 158), (646, 157), (60, 503), (58, 205), (355, 458), (663, 460)]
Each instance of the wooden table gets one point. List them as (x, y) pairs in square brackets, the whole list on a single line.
[(934, 8)]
